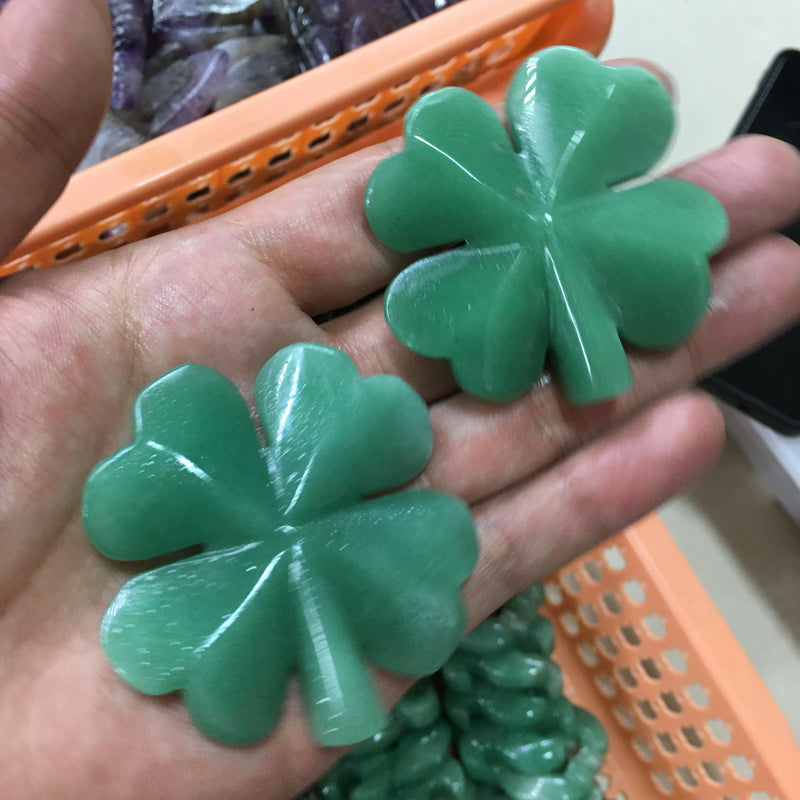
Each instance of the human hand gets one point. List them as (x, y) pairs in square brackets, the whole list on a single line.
[(55, 77), (545, 480)]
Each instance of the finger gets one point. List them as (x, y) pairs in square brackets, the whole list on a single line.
[(55, 73), (536, 527), (313, 234), (761, 278), (332, 258), (757, 180), (255, 276), (756, 294), (376, 346), (308, 242)]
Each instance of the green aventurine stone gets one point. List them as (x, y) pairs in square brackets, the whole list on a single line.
[(545, 256), (306, 564)]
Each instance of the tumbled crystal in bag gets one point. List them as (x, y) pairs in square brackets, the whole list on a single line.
[(115, 136), (129, 39), (261, 68), (185, 13), (195, 38), (183, 92)]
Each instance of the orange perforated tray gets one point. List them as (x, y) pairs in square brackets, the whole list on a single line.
[(256, 144), (644, 648)]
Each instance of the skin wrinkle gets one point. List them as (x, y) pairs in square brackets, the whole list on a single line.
[(130, 325), (342, 202), (57, 372), (49, 110), (204, 305), (254, 249), (727, 295), (30, 129)]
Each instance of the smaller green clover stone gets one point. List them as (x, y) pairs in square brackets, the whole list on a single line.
[(545, 257), (306, 564)]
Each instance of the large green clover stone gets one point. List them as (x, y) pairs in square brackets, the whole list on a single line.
[(306, 564), (547, 255)]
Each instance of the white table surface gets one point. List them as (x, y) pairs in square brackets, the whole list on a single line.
[(743, 546)]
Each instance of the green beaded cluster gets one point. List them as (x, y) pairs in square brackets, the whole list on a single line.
[(518, 737), (502, 730), (409, 760)]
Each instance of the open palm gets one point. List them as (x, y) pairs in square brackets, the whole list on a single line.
[(77, 344)]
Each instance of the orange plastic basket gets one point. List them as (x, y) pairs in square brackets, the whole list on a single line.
[(643, 647), (256, 144)]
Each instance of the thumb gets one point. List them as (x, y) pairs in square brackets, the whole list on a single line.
[(55, 74)]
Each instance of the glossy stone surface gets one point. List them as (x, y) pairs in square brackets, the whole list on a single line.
[(409, 760), (520, 738), (545, 255), (312, 24), (364, 23), (196, 38), (187, 13), (425, 7), (305, 563), (241, 47)]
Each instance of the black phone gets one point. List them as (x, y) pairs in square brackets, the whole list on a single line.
[(766, 383)]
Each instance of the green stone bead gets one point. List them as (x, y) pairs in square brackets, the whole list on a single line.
[(381, 741), (520, 670), (519, 738), (526, 766), (531, 755), (537, 713), (488, 637), (457, 674), (575, 781), (485, 791), (419, 708), (417, 756), (546, 255)]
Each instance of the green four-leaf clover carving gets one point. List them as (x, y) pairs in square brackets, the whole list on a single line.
[(306, 564), (548, 256)]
